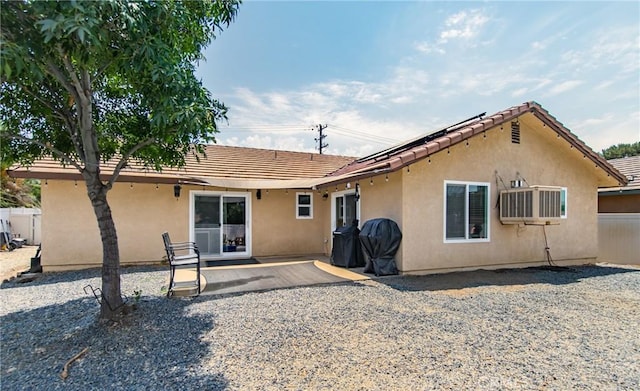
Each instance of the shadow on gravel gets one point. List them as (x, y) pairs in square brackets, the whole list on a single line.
[(161, 345), (76, 275), (502, 277)]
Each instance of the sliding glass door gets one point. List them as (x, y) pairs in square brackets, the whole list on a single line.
[(220, 224)]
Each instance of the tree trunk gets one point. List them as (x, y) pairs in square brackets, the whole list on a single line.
[(112, 303)]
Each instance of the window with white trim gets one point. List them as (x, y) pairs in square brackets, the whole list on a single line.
[(563, 202), (466, 211), (304, 205)]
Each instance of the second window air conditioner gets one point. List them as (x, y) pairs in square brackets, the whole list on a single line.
[(531, 205)]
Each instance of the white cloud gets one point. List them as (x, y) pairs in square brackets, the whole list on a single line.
[(463, 25), (608, 129), (615, 47), (417, 94), (537, 45), (565, 86), (427, 48), (520, 92)]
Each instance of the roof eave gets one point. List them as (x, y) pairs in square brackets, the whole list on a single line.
[(408, 157)]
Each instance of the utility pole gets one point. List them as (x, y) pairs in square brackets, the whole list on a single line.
[(321, 137)]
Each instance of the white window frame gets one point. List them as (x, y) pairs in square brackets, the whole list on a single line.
[(467, 239), (248, 228), (563, 215), (299, 205), (342, 193)]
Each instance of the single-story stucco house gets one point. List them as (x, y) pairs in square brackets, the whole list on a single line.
[(442, 189)]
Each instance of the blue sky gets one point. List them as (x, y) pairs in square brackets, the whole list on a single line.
[(378, 73)]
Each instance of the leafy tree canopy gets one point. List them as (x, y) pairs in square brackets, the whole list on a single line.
[(132, 62), (621, 150), (90, 81)]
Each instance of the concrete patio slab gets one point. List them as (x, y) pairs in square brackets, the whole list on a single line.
[(260, 277)]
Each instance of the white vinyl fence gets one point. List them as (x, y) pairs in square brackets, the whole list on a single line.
[(619, 238), (24, 223)]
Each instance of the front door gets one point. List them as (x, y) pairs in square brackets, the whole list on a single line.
[(220, 224)]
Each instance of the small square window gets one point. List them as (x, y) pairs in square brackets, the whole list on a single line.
[(304, 206)]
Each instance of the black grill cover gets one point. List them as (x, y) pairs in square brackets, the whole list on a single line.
[(347, 251), (380, 239)]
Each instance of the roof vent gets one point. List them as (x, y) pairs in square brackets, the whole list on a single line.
[(515, 132)]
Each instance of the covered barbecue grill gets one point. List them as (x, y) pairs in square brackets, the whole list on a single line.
[(380, 239), (346, 251)]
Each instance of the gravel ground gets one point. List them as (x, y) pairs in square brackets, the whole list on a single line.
[(529, 329)]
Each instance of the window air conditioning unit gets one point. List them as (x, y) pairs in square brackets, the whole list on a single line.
[(530, 205)]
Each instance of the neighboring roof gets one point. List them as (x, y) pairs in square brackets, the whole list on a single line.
[(630, 168), (251, 168), (402, 155), (220, 163)]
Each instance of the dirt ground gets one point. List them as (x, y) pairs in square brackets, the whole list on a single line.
[(16, 261)]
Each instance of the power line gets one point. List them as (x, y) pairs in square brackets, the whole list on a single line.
[(365, 134), (292, 128)]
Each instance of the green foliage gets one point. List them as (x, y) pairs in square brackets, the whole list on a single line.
[(90, 81), (122, 70), (18, 193), (621, 150), (137, 295)]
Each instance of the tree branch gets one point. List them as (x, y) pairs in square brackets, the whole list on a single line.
[(59, 76), (57, 112), (125, 159), (75, 82)]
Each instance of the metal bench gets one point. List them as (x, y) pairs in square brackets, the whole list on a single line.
[(181, 254)]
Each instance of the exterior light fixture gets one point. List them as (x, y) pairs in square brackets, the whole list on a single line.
[(176, 190), (259, 194)]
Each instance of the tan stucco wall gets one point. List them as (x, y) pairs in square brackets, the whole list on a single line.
[(277, 231), (383, 199), (542, 159), (141, 213)]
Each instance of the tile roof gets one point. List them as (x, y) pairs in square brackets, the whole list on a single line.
[(629, 167), (402, 155), (220, 162), (263, 168)]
